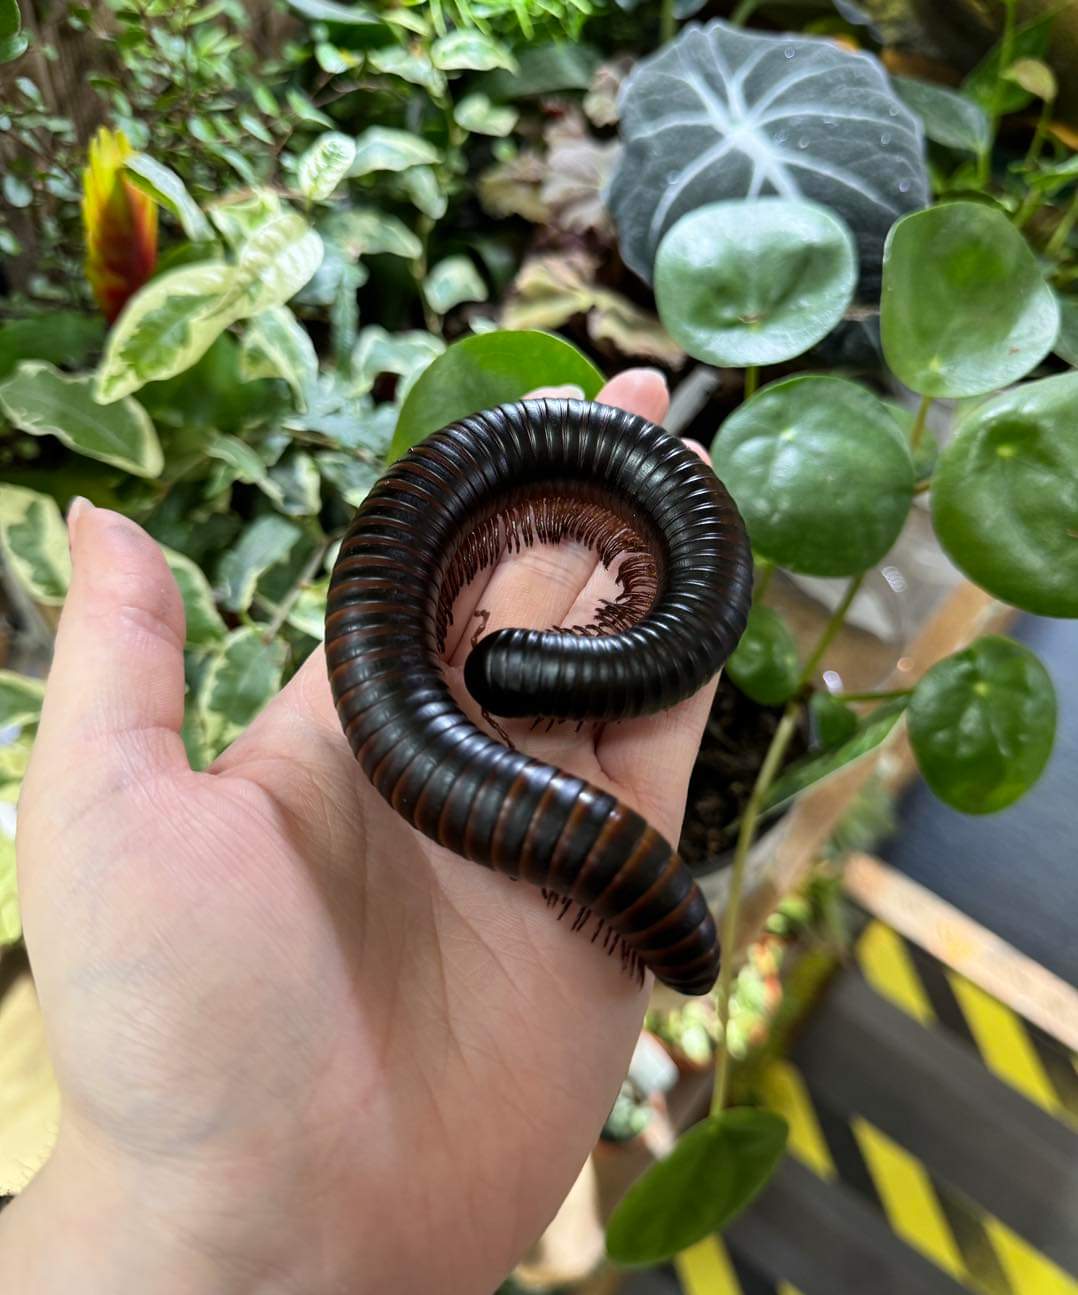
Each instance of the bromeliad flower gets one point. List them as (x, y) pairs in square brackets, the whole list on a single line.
[(120, 222)]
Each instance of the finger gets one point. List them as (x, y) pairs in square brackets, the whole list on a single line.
[(116, 686), (542, 586)]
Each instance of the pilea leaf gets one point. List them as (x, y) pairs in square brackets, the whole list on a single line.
[(765, 664), (1005, 496), (965, 308), (982, 723), (740, 283), (721, 113), (821, 473)]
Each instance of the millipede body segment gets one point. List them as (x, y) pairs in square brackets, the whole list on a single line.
[(541, 471)]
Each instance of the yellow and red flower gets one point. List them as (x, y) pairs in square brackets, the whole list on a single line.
[(120, 222)]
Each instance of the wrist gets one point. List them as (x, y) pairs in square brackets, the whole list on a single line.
[(108, 1228)]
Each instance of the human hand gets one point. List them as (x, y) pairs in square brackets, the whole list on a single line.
[(300, 1047)]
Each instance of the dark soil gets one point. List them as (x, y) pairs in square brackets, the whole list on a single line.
[(738, 733)]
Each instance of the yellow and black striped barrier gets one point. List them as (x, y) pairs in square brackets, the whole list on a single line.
[(923, 1108)]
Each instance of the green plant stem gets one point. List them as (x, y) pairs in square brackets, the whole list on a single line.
[(743, 12), (1058, 242), (284, 607), (745, 836), (667, 22), (888, 694), (1006, 48), (752, 380), (830, 630), (918, 432), (763, 580)]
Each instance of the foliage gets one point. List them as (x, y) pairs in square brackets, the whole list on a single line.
[(347, 213)]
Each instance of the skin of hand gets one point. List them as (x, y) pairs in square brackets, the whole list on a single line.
[(300, 1048)]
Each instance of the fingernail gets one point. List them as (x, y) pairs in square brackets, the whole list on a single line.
[(569, 391), (77, 508), (658, 373)]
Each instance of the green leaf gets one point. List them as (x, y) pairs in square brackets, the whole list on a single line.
[(276, 345), (365, 231), (243, 463), (1066, 343), (949, 118), (13, 40), (451, 282), (1005, 496), (405, 354), (238, 216), (167, 326), (549, 68), (410, 66), (476, 113), (166, 188), (717, 1168), (352, 478), (765, 663), (10, 921), (833, 722), (204, 623), (806, 773), (480, 372), (382, 149), (308, 612), (324, 165), (296, 479), (982, 723), (470, 51), (329, 11), (1030, 41), (34, 542), (20, 699), (11, 48), (740, 283), (1035, 77), (41, 400), (426, 191), (265, 542), (62, 337), (306, 111), (273, 264), (965, 308), (821, 473), (242, 676)]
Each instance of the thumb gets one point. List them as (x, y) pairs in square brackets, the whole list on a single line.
[(114, 697)]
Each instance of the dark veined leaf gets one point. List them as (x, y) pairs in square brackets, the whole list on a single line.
[(483, 371), (821, 473), (982, 723), (765, 663), (1005, 496), (721, 113), (740, 283), (717, 1168), (965, 308)]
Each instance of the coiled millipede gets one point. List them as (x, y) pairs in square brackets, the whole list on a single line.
[(541, 471)]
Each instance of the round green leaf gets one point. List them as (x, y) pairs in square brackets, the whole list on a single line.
[(820, 472), (1005, 496), (965, 308), (765, 665), (833, 722), (740, 283), (713, 1172), (982, 724), (487, 370), (41, 400)]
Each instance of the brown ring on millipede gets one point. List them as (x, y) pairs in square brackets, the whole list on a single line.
[(541, 471)]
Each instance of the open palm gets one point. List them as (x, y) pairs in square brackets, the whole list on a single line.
[(324, 1052)]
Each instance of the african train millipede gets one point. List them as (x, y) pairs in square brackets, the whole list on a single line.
[(541, 471)]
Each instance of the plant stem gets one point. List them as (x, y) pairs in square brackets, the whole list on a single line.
[(830, 630), (743, 12), (887, 695), (1062, 232), (1006, 48), (919, 422), (667, 22), (763, 580), (284, 607), (745, 836), (752, 380)]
